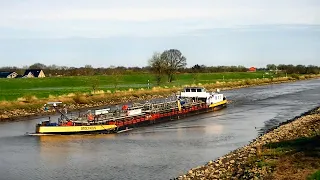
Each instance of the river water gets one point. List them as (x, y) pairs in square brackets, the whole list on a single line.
[(161, 151)]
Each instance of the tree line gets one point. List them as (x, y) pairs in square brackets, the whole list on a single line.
[(292, 69), (87, 70), (163, 65)]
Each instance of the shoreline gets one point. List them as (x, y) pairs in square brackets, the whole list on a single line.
[(123, 97), (266, 157)]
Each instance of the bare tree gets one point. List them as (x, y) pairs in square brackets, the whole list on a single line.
[(88, 70), (94, 83), (174, 60), (158, 66), (116, 76), (195, 77)]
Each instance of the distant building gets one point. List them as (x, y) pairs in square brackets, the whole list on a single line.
[(11, 74), (30, 73), (252, 69)]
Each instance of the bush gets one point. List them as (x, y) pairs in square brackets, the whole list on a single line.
[(79, 98), (308, 76), (28, 98), (248, 82), (314, 176), (295, 76)]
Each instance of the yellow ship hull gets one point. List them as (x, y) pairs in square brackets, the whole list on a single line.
[(221, 103), (74, 129), (51, 130)]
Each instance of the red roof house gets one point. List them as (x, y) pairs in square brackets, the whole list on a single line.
[(252, 69)]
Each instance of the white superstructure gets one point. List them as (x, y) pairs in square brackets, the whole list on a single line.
[(200, 93)]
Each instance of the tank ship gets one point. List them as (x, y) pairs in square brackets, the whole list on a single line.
[(191, 101)]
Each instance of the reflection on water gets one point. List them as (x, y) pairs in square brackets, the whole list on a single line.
[(161, 151), (70, 138), (58, 149), (214, 129)]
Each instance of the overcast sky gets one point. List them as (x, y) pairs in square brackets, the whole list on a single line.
[(127, 32)]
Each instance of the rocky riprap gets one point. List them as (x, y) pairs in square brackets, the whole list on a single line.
[(243, 163)]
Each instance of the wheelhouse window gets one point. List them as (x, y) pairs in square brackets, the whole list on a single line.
[(199, 90), (193, 90), (187, 90)]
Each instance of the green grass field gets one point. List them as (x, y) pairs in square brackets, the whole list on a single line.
[(11, 89)]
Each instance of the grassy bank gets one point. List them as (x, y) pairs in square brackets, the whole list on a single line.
[(12, 89), (290, 151), (30, 105)]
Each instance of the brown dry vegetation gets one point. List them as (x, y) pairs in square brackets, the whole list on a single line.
[(290, 160)]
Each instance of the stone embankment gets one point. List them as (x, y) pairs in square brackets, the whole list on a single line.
[(289, 151)]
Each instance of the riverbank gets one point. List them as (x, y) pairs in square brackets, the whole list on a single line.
[(16, 88), (289, 151), (33, 107)]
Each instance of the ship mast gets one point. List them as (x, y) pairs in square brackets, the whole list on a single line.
[(54, 105)]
